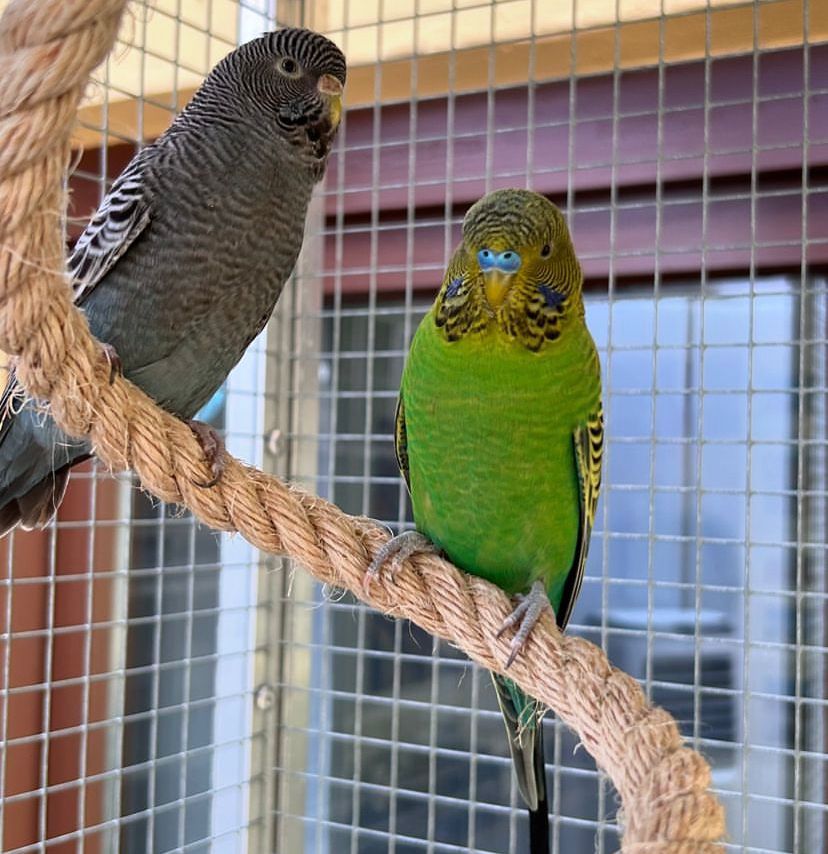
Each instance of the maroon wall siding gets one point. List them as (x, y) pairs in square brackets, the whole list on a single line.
[(395, 157), (629, 151)]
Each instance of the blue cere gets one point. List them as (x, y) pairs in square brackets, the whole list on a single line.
[(507, 261), (487, 259)]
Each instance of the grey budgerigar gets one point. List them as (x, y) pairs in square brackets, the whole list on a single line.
[(183, 263)]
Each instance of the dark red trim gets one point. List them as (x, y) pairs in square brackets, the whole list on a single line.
[(363, 176), (779, 132), (75, 591), (381, 154)]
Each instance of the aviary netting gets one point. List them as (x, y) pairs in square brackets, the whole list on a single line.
[(47, 50)]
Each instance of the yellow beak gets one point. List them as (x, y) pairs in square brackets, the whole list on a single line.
[(496, 284), (331, 88)]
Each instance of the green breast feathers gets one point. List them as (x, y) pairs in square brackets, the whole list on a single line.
[(499, 429), (499, 435), (493, 437)]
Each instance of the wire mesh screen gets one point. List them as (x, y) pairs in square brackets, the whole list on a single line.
[(128, 645), (686, 144), (167, 689)]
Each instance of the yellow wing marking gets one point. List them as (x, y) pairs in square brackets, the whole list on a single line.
[(401, 441), (588, 443)]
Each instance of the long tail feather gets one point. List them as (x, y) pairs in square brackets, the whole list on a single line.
[(525, 738), (35, 458), (539, 818)]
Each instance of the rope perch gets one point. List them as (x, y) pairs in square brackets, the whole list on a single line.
[(47, 50)]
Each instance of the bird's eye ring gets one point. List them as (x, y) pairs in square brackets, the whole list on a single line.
[(546, 251), (288, 65)]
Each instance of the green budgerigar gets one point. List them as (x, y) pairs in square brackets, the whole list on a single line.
[(499, 434)]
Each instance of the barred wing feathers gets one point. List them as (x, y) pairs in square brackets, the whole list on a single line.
[(122, 216)]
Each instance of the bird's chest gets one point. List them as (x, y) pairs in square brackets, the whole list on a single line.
[(255, 226), (204, 277), (241, 249), (491, 458)]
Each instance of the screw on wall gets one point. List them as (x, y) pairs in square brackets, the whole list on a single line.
[(275, 442), (264, 697)]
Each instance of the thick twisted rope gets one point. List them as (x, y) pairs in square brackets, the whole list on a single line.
[(47, 50)]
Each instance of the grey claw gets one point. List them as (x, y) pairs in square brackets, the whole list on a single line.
[(116, 367), (213, 448), (526, 614), (516, 615), (395, 551)]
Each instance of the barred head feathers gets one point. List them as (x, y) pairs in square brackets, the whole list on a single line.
[(289, 82), (516, 267), (517, 216)]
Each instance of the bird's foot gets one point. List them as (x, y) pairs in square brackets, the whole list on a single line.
[(525, 616), (213, 448), (395, 551), (116, 367)]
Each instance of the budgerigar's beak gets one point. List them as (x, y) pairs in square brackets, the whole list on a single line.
[(331, 88), (496, 283)]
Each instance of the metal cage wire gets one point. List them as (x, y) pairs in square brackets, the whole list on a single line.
[(167, 689)]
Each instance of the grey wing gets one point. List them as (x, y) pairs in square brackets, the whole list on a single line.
[(122, 216), (10, 400)]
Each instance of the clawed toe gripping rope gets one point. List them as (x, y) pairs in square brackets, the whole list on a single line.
[(47, 50)]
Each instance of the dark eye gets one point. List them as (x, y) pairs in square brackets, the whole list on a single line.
[(288, 65), (546, 251)]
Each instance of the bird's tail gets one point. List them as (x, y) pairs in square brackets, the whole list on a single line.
[(34, 508), (35, 458), (525, 736)]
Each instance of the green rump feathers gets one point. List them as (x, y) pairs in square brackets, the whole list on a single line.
[(499, 429)]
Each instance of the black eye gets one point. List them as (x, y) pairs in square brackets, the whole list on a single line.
[(289, 66), (546, 251)]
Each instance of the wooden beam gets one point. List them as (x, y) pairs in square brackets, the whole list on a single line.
[(633, 44)]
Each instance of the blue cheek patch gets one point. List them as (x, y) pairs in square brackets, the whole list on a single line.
[(552, 298), (454, 288)]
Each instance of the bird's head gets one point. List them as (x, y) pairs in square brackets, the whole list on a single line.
[(308, 81), (515, 267), (516, 241), (290, 80)]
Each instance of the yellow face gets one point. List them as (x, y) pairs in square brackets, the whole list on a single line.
[(516, 269), (505, 263), (516, 241)]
